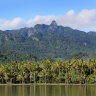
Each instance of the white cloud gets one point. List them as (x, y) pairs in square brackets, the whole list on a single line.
[(14, 24), (84, 20)]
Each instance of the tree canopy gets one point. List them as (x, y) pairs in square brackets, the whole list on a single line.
[(75, 71)]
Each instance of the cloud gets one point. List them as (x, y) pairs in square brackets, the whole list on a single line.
[(84, 20), (14, 24)]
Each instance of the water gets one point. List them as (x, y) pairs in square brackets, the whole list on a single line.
[(42, 90)]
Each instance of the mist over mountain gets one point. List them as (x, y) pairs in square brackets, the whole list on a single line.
[(50, 41)]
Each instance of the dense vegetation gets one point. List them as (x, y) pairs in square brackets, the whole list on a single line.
[(50, 41), (9, 56), (75, 71)]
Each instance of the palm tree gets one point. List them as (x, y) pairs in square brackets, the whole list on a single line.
[(21, 72), (53, 72), (67, 68), (59, 68), (46, 69), (2, 72)]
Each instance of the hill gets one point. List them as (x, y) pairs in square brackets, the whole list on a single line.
[(50, 41)]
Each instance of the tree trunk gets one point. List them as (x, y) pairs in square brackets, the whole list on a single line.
[(2, 80), (34, 77), (45, 77)]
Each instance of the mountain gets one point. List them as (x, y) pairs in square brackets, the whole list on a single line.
[(50, 41)]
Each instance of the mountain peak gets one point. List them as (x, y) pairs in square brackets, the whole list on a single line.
[(53, 24)]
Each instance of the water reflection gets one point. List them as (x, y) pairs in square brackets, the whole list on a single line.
[(48, 90)]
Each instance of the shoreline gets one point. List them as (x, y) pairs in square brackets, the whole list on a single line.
[(46, 84)]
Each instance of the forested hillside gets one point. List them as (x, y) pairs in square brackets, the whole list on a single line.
[(50, 41), (10, 56)]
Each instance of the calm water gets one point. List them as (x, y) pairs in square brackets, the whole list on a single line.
[(48, 90)]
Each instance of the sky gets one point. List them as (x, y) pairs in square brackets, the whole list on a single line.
[(77, 14)]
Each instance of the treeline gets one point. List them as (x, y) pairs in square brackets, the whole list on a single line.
[(77, 71)]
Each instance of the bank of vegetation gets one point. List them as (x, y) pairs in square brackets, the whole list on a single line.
[(76, 71)]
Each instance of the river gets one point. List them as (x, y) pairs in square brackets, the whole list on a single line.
[(48, 90)]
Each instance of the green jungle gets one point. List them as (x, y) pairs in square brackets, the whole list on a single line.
[(75, 71)]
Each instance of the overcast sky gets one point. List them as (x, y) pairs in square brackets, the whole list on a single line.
[(78, 14)]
